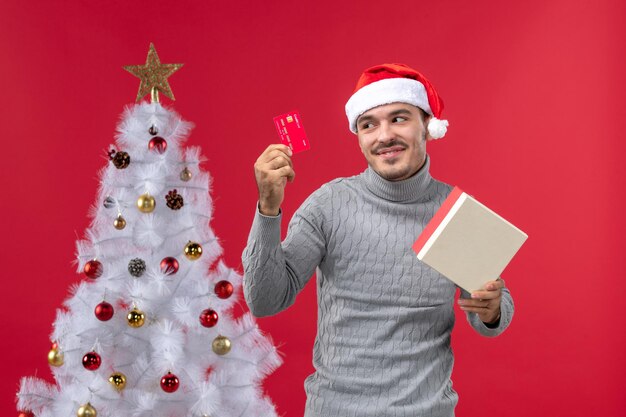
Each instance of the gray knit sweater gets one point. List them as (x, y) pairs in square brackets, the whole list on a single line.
[(384, 318)]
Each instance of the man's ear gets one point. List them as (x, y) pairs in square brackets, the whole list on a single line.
[(426, 121)]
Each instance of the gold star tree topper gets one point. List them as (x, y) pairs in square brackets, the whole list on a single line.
[(153, 76)]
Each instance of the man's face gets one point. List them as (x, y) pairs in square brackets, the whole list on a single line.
[(393, 140)]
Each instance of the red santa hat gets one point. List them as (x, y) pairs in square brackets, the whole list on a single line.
[(396, 83)]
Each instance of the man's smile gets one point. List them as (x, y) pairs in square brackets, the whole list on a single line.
[(390, 151)]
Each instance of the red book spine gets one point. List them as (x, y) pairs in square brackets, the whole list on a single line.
[(430, 228)]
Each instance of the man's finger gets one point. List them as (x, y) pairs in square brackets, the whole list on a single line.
[(486, 295), (276, 154), (286, 172), (464, 302), (284, 148), (265, 158), (273, 150), (278, 162), (491, 289), (478, 310), (493, 285)]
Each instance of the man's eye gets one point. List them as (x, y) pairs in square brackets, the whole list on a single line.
[(367, 125), (399, 119)]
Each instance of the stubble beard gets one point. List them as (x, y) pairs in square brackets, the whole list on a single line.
[(408, 171)]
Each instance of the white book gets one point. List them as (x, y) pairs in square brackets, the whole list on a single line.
[(467, 242)]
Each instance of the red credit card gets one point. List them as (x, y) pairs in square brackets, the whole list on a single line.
[(291, 132)]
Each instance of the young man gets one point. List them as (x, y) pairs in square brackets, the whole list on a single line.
[(384, 318)]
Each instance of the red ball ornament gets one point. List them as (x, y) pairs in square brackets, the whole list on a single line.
[(224, 289), (25, 414), (91, 361), (208, 318), (104, 311), (169, 382), (93, 269), (157, 144), (169, 265)]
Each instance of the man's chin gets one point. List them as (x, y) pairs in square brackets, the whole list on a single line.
[(395, 174)]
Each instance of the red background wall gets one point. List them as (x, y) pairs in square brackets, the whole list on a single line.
[(534, 94)]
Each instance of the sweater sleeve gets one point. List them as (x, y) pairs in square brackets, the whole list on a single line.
[(507, 309), (275, 272)]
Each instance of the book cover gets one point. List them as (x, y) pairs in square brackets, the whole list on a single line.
[(467, 242)]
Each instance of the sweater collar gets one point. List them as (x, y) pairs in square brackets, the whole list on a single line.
[(408, 190)]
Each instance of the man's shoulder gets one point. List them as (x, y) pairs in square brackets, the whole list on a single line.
[(340, 184), (324, 197)]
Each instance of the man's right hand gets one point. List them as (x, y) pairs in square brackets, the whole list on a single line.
[(272, 170)]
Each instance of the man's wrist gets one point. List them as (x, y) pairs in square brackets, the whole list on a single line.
[(493, 323), (268, 211)]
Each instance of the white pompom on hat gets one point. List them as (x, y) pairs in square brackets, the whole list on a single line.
[(396, 83)]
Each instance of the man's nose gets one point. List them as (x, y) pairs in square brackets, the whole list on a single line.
[(385, 133)]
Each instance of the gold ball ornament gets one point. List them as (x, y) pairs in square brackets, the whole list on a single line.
[(193, 251), (118, 381), (221, 345), (136, 318), (146, 203), (185, 174), (120, 222), (55, 356), (86, 410)]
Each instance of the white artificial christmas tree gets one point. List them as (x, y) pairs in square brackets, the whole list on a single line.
[(149, 332)]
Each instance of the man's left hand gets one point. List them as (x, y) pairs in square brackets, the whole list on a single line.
[(485, 302)]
